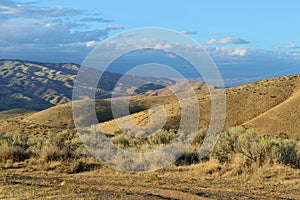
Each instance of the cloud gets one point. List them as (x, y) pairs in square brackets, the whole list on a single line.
[(290, 46), (228, 51), (26, 28), (227, 40), (114, 27), (188, 32), (43, 32), (91, 43), (12, 9), (96, 19)]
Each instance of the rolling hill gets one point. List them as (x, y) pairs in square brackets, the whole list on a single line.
[(38, 86), (269, 106)]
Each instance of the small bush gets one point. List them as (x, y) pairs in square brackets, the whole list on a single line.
[(122, 139), (257, 149), (162, 137), (77, 166), (62, 145), (50, 153), (188, 158), (286, 152), (198, 139), (14, 153), (225, 148)]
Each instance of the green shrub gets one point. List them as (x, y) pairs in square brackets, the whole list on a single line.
[(286, 152), (225, 148), (61, 145), (122, 139), (198, 139), (161, 137), (257, 149)]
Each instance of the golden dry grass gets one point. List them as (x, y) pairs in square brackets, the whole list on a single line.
[(207, 180)]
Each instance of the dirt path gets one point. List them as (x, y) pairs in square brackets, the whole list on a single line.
[(109, 184)]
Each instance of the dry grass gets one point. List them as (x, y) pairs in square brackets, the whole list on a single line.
[(12, 153), (256, 167), (206, 180)]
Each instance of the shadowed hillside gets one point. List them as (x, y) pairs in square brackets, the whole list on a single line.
[(37, 86)]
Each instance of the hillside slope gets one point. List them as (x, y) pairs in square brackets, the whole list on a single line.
[(283, 118), (244, 103), (269, 106), (37, 86)]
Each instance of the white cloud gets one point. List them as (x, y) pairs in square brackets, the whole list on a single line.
[(91, 43), (238, 52), (114, 27), (228, 51), (290, 46), (227, 40), (144, 43), (96, 19), (185, 32), (27, 27)]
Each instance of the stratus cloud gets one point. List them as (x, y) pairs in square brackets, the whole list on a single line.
[(290, 46), (12, 9), (114, 27), (96, 19), (185, 32), (227, 40)]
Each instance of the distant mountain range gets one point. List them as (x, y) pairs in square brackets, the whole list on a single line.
[(37, 86)]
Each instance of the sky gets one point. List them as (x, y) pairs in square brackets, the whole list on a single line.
[(246, 39)]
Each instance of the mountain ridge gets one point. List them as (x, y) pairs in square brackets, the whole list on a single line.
[(37, 86)]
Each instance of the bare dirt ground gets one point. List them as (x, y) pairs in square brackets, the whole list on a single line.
[(201, 181)]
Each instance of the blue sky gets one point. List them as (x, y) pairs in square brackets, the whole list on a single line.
[(248, 38)]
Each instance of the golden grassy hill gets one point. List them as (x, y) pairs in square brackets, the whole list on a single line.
[(178, 87), (253, 102), (284, 117), (60, 117), (269, 106)]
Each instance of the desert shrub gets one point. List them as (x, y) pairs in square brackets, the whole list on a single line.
[(250, 146), (188, 158), (198, 139), (35, 145), (54, 153), (125, 139), (13, 147), (122, 139), (225, 148), (161, 137), (286, 152), (14, 153), (50, 153), (14, 139), (77, 166), (61, 145), (257, 149)]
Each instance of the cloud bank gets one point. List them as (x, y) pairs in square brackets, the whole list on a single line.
[(227, 40), (49, 33)]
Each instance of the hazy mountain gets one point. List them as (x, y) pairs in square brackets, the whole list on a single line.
[(37, 86)]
